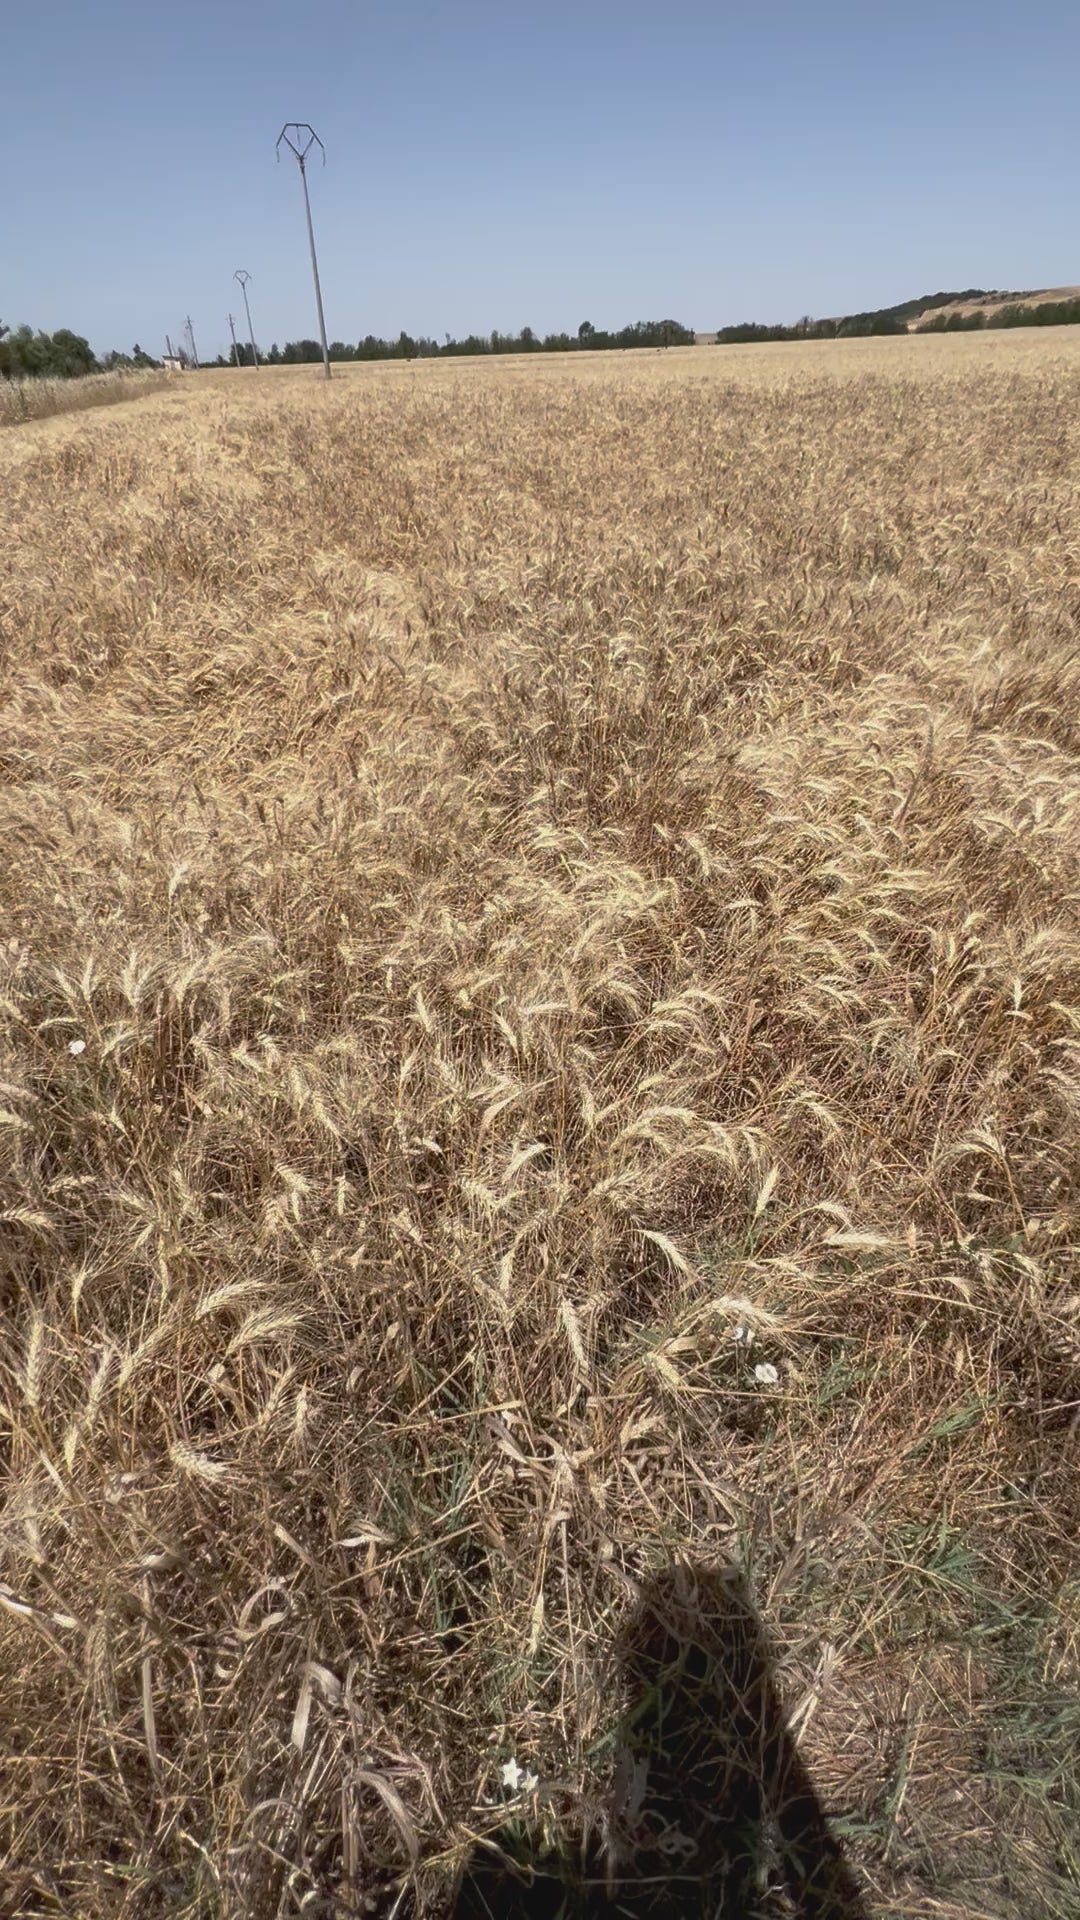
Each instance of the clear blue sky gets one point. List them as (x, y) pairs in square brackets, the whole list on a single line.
[(498, 164)]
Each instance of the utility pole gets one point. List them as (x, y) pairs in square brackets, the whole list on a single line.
[(235, 348), (299, 137), (188, 329), (243, 278)]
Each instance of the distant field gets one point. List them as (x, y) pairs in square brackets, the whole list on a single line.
[(540, 1037)]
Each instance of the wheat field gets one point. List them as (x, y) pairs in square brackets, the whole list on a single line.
[(539, 1038), (22, 400)]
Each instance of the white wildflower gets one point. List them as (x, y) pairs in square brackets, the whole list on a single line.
[(744, 1335), (519, 1779), (76, 1047), (766, 1373)]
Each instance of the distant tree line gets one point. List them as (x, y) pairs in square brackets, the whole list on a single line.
[(131, 362), (643, 333), (1050, 313), (884, 320), (854, 326), (63, 355)]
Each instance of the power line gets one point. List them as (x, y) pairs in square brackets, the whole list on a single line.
[(299, 137), (243, 276)]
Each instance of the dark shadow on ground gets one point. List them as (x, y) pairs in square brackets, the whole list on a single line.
[(712, 1815)]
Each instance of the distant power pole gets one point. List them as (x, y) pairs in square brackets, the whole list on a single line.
[(189, 330), (299, 137), (243, 278), (235, 348)]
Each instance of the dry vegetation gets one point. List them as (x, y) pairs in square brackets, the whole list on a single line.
[(516, 880), (22, 400)]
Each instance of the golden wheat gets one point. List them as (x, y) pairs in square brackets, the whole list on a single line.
[(540, 1023), (22, 400)]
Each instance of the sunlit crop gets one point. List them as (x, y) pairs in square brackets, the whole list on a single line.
[(539, 1033)]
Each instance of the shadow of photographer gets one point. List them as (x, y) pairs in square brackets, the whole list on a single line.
[(712, 1814)]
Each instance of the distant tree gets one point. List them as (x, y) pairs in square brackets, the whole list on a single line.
[(586, 333), (58, 356), (70, 356), (26, 353)]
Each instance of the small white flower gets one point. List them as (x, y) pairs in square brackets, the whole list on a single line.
[(744, 1335), (518, 1779), (76, 1047), (766, 1373)]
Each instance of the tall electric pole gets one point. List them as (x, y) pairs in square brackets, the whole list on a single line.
[(243, 276), (235, 348), (299, 137), (188, 329)]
